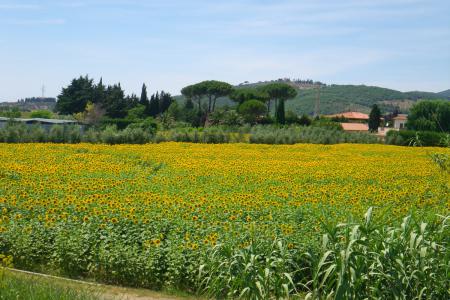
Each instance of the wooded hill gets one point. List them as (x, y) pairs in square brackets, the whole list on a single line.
[(339, 98)]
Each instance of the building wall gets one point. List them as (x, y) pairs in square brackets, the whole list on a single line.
[(399, 124)]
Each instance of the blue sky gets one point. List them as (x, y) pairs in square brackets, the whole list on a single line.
[(400, 44)]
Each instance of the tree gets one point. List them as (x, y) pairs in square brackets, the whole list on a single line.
[(165, 100), (280, 117), (241, 95), (430, 116), (116, 105), (211, 89), (374, 118), (73, 99), (136, 113), (99, 93), (252, 110), (188, 104), (194, 92), (153, 108), (174, 111), (277, 92), (144, 99)]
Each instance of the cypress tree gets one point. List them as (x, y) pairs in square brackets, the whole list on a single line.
[(153, 108), (374, 118), (165, 101), (144, 99)]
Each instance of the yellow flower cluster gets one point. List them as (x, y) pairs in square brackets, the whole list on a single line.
[(210, 194)]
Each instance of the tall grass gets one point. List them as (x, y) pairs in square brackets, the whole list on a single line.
[(357, 260), (371, 261), (13, 286)]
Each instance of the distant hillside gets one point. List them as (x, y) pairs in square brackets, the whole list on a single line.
[(339, 98), (445, 94)]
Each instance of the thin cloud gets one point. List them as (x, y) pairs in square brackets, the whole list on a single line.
[(18, 6), (28, 22)]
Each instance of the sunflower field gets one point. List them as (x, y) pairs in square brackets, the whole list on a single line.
[(230, 220)]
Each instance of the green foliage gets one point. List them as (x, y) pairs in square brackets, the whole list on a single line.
[(365, 260), (374, 118), (280, 116), (340, 98), (15, 286), (115, 103), (210, 89), (302, 134), (73, 99), (304, 120), (430, 116), (252, 110), (226, 117), (143, 100), (327, 123), (165, 100), (136, 133), (241, 95), (8, 112), (153, 107), (262, 270), (416, 138), (136, 113), (278, 92), (43, 113)]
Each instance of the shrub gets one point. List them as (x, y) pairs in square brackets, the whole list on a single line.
[(417, 138), (41, 113)]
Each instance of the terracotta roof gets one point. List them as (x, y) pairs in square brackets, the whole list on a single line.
[(351, 115), (355, 127), (401, 117)]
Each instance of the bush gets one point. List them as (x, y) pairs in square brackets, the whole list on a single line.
[(415, 138), (302, 134), (327, 123), (42, 113)]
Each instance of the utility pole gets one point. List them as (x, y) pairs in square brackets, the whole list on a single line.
[(317, 107)]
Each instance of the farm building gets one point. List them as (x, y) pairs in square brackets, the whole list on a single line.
[(46, 123), (400, 121)]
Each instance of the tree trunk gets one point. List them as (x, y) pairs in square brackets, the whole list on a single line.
[(209, 104), (214, 104)]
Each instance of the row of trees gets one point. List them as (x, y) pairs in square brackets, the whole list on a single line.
[(253, 103), (92, 102)]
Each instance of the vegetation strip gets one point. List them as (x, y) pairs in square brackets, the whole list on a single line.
[(53, 276)]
